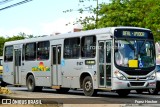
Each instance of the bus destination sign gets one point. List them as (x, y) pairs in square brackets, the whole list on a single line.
[(133, 33)]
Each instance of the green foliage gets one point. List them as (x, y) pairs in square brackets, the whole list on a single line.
[(138, 13), (2, 41)]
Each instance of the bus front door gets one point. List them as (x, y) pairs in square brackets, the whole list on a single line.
[(17, 67), (104, 59), (56, 67)]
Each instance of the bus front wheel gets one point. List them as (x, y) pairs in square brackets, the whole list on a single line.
[(88, 87), (123, 93), (153, 91), (31, 84)]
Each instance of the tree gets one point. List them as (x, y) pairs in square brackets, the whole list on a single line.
[(139, 13), (89, 21), (2, 41)]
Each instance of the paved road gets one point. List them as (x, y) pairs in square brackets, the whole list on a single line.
[(77, 97)]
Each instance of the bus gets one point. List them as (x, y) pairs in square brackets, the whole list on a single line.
[(117, 59)]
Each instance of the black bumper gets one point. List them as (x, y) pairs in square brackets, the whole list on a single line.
[(158, 85)]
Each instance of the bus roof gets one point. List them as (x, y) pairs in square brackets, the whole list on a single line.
[(107, 30)]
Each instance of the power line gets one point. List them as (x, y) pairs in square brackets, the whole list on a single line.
[(4, 1), (16, 4)]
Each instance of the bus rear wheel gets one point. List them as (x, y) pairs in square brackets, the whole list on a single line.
[(31, 84), (123, 93), (88, 87)]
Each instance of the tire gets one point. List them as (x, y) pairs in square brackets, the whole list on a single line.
[(31, 84), (139, 91), (88, 87), (153, 91), (62, 90), (3, 84), (123, 93)]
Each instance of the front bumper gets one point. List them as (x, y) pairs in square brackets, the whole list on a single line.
[(133, 85), (158, 85)]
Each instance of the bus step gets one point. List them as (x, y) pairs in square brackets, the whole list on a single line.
[(56, 87)]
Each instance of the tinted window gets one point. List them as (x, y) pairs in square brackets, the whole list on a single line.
[(88, 44), (8, 55), (43, 50), (30, 51), (72, 48), (23, 52)]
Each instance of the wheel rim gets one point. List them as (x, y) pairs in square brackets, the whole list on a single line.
[(30, 84), (88, 85), (151, 90)]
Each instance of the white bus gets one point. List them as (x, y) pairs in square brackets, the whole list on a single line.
[(113, 59)]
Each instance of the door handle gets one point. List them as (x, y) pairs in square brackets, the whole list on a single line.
[(22, 63)]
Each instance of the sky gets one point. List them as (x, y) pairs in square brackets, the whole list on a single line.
[(40, 17)]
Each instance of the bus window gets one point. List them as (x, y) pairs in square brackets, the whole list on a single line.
[(8, 55), (30, 51), (72, 48), (88, 46), (23, 52), (108, 52), (43, 50)]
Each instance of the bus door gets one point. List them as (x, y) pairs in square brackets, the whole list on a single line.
[(104, 66), (56, 65), (17, 66)]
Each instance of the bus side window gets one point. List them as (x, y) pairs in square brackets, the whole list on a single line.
[(8, 54), (23, 52), (30, 51), (88, 46), (108, 52), (72, 48), (43, 50)]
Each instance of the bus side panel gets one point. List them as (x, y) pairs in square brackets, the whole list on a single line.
[(41, 71), (71, 72), (73, 69), (8, 73)]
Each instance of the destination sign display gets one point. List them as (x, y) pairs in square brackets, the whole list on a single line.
[(133, 33)]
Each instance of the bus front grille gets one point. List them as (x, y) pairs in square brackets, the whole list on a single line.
[(135, 78), (137, 83)]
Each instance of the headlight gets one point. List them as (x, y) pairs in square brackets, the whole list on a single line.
[(120, 75), (152, 77)]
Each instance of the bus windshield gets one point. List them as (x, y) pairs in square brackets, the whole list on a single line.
[(134, 53)]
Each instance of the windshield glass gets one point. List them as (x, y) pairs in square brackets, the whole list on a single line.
[(134, 53)]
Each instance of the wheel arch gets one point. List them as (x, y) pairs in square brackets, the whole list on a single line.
[(28, 74), (82, 76)]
